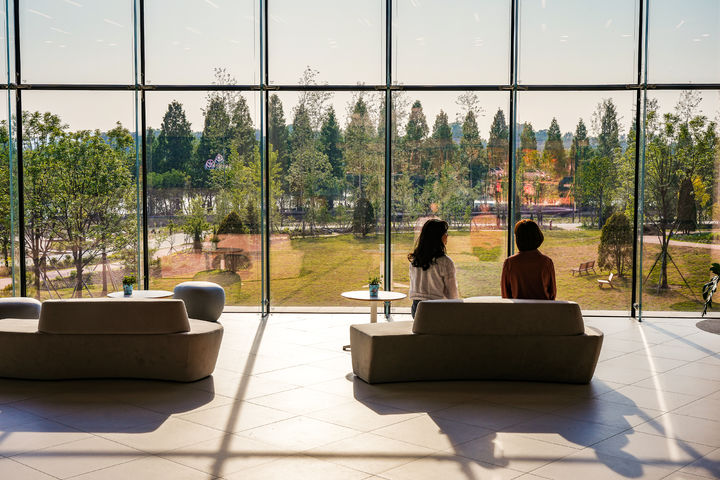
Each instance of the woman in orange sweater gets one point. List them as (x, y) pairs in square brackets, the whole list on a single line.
[(528, 273)]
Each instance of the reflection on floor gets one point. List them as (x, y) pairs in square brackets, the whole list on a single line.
[(283, 404)]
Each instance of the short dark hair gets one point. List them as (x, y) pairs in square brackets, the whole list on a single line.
[(528, 235)]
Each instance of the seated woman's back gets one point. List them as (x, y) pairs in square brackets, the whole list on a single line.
[(528, 274)]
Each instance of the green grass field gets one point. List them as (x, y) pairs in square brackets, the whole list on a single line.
[(315, 270)]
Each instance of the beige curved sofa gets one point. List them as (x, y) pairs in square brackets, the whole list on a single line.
[(481, 338), (101, 338)]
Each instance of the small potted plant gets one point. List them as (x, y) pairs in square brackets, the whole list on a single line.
[(374, 285), (128, 282)]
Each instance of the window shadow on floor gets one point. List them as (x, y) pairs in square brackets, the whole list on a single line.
[(518, 415)]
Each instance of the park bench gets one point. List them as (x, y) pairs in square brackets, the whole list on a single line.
[(584, 268), (602, 281)]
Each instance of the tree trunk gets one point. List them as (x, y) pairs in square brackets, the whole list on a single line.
[(37, 270), (663, 262), (104, 273), (79, 279)]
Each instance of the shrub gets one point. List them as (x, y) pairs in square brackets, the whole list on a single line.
[(615, 249), (363, 217), (232, 223)]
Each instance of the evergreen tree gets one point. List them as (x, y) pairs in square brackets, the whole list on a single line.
[(277, 130), (242, 131), (215, 140), (687, 211), (361, 160), (416, 132), (442, 139), (330, 144), (497, 147), (302, 135), (527, 138), (554, 150), (330, 141), (174, 144), (471, 147), (609, 136)]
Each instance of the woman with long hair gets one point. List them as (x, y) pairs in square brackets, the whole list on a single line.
[(432, 272)]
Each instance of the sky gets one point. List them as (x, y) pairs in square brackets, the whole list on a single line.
[(434, 42)]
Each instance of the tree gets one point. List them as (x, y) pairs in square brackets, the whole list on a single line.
[(215, 140), (615, 249), (687, 211), (598, 180), (527, 138), (241, 130), (497, 147), (442, 140), (195, 223), (231, 224), (606, 123), (471, 148), (330, 145), (40, 130), (175, 141), (6, 204), (677, 147), (277, 130), (554, 149), (416, 131), (363, 218), (363, 156), (310, 176), (91, 198)]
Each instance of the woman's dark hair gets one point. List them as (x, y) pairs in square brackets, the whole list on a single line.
[(528, 235), (429, 244)]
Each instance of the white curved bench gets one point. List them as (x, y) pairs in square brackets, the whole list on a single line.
[(102, 338)]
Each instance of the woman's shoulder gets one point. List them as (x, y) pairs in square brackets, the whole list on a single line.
[(445, 261)]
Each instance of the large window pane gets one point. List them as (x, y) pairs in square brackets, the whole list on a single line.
[(80, 184), (450, 156), (203, 165), (438, 42), (188, 41), (578, 41), (681, 216), (575, 177), (683, 42), (9, 282), (341, 41), (327, 174), (77, 42)]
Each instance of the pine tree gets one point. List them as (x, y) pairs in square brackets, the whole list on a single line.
[(527, 138), (242, 131), (277, 130), (609, 136), (174, 143), (498, 142), (329, 144), (442, 139), (471, 148), (554, 149), (215, 140)]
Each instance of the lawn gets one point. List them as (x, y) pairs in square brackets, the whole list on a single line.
[(315, 270)]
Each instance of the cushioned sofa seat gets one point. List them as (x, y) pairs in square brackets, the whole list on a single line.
[(101, 338), (481, 338)]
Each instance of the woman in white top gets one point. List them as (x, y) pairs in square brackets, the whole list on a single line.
[(432, 273)]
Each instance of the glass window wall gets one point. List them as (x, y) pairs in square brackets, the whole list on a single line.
[(555, 109)]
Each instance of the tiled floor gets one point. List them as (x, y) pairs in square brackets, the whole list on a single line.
[(283, 404)]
